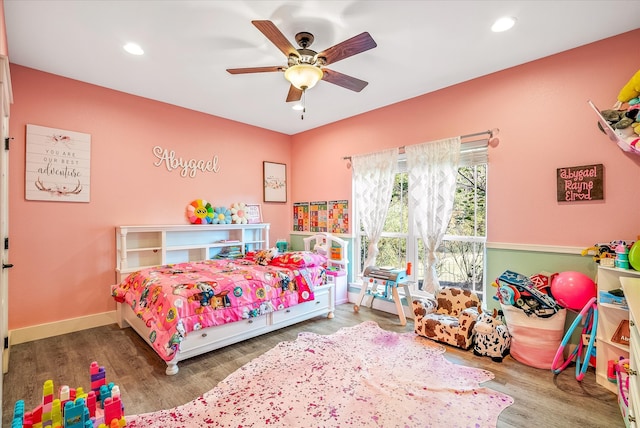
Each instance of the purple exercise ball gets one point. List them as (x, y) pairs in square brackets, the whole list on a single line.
[(573, 290)]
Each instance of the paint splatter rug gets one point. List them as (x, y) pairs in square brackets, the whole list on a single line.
[(360, 376)]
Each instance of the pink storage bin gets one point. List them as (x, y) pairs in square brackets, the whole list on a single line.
[(534, 340)]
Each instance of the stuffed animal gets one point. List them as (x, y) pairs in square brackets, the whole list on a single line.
[(239, 213), (263, 257), (491, 337), (626, 122), (629, 92), (620, 119), (221, 215), (629, 136)]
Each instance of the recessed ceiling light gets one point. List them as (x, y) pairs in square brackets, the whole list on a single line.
[(298, 107), (503, 24), (133, 49)]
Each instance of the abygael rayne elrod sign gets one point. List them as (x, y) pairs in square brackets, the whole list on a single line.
[(580, 183)]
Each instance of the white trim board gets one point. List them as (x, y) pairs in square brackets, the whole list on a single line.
[(307, 233), (43, 331), (534, 248)]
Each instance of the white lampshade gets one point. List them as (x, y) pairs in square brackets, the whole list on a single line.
[(303, 76)]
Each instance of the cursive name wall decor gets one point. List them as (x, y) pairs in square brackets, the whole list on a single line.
[(580, 183), (188, 167)]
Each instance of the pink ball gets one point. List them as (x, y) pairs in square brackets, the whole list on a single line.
[(573, 290)]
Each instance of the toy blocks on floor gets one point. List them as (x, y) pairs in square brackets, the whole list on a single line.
[(101, 407)]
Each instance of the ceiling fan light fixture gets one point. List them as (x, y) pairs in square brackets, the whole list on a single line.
[(303, 76)]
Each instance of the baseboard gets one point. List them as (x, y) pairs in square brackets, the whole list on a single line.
[(42, 331), (342, 301)]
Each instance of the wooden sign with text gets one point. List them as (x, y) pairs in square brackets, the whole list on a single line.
[(580, 183), (58, 165)]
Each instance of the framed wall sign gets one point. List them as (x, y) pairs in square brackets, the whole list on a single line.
[(275, 182), (253, 213), (58, 165), (580, 183)]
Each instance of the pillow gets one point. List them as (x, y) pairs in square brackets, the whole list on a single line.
[(299, 259)]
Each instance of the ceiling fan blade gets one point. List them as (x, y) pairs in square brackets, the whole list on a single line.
[(276, 37), (294, 94), (255, 69), (343, 80), (355, 45)]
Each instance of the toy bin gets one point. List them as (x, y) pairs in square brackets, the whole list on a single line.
[(534, 340)]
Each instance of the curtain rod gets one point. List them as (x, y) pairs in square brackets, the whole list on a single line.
[(491, 132)]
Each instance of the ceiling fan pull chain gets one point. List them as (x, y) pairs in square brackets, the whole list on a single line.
[(304, 104)]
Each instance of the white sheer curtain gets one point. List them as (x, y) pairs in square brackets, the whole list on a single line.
[(432, 169), (373, 177)]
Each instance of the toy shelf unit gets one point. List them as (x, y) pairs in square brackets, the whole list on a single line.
[(612, 311), (336, 251), (630, 404), (139, 247)]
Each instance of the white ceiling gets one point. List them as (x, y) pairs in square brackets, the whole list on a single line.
[(423, 46)]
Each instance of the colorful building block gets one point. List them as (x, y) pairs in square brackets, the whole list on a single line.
[(74, 414), (56, 413), (92, 403), (112, 409), (98, 377), (75, 408)]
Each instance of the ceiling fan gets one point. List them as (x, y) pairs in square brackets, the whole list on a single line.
[(306, 67)]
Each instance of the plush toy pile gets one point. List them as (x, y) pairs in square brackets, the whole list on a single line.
[(200, 211), (624, 117)]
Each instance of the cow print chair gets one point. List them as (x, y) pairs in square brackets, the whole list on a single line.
[(449, 318)]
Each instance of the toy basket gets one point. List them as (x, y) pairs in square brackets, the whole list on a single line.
[(534, 340)]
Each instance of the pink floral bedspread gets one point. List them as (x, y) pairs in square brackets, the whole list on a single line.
[(176, 299)]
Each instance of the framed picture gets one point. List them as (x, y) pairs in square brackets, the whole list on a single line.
[(58, 165), (253, 213), (275, 182)]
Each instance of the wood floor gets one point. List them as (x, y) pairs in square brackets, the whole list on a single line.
[(541, 399)]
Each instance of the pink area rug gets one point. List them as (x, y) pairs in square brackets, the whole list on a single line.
[(360, 376)]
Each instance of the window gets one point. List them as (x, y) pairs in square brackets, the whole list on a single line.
[(461, 256)]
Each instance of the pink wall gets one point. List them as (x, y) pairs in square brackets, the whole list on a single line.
[(545, 123), (64, 253)]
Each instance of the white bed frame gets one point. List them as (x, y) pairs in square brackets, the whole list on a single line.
[(211, 338), (208, 339)]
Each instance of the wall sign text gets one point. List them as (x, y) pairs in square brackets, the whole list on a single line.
[(580, 183), (187, 167)]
